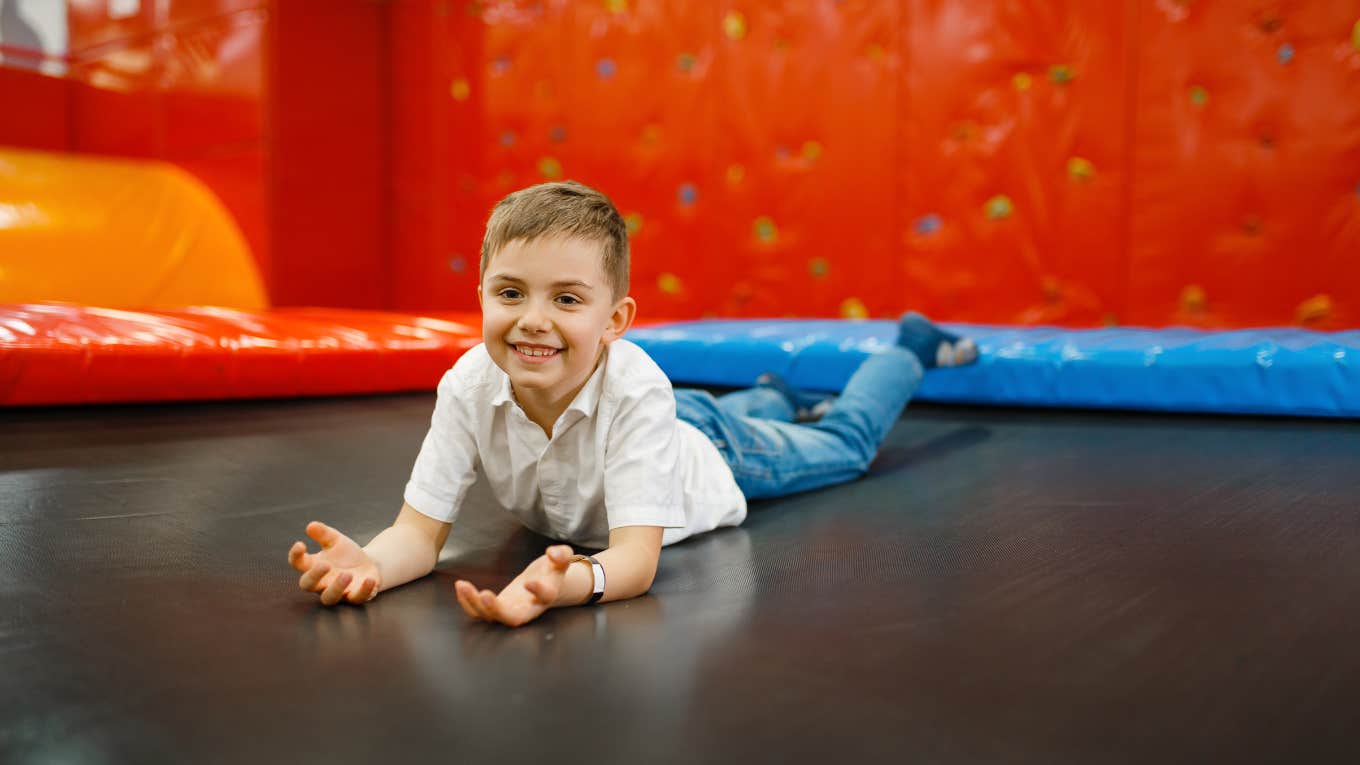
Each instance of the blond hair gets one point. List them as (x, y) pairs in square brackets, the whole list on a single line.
[(561, 208)]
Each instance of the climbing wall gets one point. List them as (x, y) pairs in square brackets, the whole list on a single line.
[(1078, 163)]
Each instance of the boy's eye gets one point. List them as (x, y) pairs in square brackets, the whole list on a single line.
[(568, 299), (509, 293)]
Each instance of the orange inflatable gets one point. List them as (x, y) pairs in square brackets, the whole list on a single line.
[(118, 234)]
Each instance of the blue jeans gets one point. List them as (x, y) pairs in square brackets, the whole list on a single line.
[(771, 455)]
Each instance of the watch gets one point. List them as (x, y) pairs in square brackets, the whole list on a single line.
[(596, 575)]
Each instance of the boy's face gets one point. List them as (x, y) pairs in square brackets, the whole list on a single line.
[(548, 311)]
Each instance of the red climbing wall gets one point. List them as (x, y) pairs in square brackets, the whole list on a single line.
[(1167, 161)]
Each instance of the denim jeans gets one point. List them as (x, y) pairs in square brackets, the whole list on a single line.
[(771, 455)]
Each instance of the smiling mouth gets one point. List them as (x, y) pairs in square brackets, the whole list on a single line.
[(536, 352)]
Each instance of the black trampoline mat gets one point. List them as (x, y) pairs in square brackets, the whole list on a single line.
[(1005, 586)]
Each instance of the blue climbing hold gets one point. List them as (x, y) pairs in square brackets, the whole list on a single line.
[(928, 224)]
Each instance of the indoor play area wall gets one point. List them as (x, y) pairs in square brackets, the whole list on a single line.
[(1149, 163)]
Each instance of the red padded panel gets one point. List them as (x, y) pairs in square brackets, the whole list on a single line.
[(65, 354)]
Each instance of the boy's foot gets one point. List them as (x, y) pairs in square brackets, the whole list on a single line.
[(932, 345)]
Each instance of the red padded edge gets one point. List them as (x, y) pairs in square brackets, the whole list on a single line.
[(70, 354)]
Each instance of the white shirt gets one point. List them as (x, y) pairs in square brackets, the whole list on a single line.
[(618, 455)]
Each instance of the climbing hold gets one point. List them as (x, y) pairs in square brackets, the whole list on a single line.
[(633, 222), (1314, 309), (1022, 81), (765, 230), (688, 194), (616, 6), (550, 168), (1193, 299), (457, 264), (927, 224), (1198, 95), (558, 134), (1061, 74), (1285, 53), (874, 52), (734, 25), (669, 283), (853, 308), (460, 89), (508, 138), (735, 174), (605, 68), (685, 62), (999, 207), (819, 268), (1080, 169), (811, 150)]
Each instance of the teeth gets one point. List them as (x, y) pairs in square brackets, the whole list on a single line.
[(536, 351)]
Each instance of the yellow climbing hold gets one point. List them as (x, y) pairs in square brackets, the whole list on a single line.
[(460, 89), (811, 150), (669, 283), (1022, 82), (1193, 299), (765, 230), (1355, 36), (853, 308), (1316, 308), (616, 6), (1198, 95), (633, 221), (874, 52), (735, 174), (550, 168), (819, 267), (651, 134), (999, 207), (1080, 169), (734, 25)]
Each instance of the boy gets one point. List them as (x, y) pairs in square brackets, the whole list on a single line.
[(581, 436)]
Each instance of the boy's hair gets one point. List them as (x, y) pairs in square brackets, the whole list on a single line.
[(561, 208)]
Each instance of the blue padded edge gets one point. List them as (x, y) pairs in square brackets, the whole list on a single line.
[(1257, 371)]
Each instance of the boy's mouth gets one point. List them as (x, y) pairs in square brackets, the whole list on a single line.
[(535, 352)]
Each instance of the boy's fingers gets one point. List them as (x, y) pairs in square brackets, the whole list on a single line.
[(560, 555), (336, 590), (464, 592), (298, 557), (311, 578), (365, 592), (541, 591), (487, 600), (323, 534)]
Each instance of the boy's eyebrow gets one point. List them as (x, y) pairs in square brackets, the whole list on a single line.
[(554, 285)]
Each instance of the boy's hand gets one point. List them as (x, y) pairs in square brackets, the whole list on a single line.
[(342, 570), (534, 591)]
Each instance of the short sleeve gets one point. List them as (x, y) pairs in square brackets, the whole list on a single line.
[(642, 475), (447, 463)]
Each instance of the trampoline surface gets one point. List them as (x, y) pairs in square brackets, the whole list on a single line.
[(1005, 585)]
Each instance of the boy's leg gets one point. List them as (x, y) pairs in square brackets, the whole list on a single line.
[(771, 458), (762, 401)]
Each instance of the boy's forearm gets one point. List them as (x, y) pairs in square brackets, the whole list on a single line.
[(629, 571), (402, 553), (409, 549)]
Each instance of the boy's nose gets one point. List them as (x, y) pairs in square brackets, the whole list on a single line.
[(534, 319)]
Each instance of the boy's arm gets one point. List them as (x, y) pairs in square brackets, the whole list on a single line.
[(408, 549), (629, 567), (553, 580)]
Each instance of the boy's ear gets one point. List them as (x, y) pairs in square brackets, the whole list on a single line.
[(624, 312), (479, 295)]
